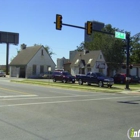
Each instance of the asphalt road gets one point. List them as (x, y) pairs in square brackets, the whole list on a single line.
[(31, 112)]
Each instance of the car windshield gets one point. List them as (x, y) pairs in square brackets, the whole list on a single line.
[(67, 74), (100, 74)]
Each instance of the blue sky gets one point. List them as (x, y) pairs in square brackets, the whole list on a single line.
[(34, 21)]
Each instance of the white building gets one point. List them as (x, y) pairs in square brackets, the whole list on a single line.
[(30, 62), (91, 61)]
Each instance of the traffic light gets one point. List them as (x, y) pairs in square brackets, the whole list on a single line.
[(89, 28), (58, 22), (130, 66)]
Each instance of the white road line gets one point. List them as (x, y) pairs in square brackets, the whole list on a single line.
[(52, 97), (68, 101), (13, 96)]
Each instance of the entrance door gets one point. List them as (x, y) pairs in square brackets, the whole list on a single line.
[(22, 72)]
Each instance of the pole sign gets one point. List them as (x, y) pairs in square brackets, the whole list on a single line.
[(120, 35), (9, 37)]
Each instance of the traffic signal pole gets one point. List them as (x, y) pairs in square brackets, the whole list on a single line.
[(127, 60)]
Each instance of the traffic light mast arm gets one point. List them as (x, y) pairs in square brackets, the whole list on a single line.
[(70, 25)]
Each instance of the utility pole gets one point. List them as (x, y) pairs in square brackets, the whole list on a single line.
[(127, 60)]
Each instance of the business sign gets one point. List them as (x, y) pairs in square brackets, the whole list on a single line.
[(100, 65), (120, 35), (9, 37)]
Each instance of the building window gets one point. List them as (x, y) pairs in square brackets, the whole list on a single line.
[(100, 56), (101, 70), (42, 52), (88, 69), (49, 68), (42, 69), (34, 69), (81, 70)]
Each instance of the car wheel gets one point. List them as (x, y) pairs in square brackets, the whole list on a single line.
[(54, 80), (80, 82), (73, 82), (64, 81), (100, 84), (89, 83), (121, 82), (109, 86)]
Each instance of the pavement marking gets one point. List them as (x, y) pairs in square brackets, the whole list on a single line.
[(15, 91), (52, 97), (13, 96), (67, 101)]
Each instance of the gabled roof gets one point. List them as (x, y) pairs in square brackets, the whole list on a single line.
[(25, 55), (81, 56)]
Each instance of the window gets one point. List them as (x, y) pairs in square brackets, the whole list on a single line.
[(88, 69), (100, 56), (34, 69), (42, 52), (41, 69), (101, 70)]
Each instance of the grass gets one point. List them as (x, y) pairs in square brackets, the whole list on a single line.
[(116, 88)]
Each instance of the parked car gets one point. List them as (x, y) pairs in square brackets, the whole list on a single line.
[(95, 78), (2, 74), (135, 79), (46, 75), (120, 78), (63, 76)]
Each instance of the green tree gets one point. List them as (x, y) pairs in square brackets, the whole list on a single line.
[(135, 46)]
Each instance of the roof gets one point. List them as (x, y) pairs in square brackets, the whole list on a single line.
[(85, 58), (24, 56)]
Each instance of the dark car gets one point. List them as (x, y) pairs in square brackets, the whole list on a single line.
[(135, 79), (95, 78), (120, 78), (63, 76)]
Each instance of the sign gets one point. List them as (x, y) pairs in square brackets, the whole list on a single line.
[(9, 37), (120, 35), (100, 65)]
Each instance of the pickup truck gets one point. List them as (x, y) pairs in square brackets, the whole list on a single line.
[(95, 78)]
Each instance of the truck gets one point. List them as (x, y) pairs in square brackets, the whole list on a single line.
[(95, 78)]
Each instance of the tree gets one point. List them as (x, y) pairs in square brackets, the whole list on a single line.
[(47, 48), (109, 45), (81, 47), (135, 46)]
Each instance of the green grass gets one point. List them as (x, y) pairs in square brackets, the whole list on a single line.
[(115, 88)]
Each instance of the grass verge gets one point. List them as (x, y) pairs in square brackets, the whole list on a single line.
[(116, 88)]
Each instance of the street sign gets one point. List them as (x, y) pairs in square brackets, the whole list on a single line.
[(120, 35)]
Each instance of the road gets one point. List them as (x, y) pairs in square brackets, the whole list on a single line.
[(32, 112)]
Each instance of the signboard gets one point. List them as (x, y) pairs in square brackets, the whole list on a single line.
[(100, 65), (120, 35), (8, 37)]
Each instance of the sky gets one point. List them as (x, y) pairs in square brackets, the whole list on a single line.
[(34, 21)]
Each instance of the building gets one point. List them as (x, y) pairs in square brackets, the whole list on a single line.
[(30, 62), (61, 62), (85, 62)]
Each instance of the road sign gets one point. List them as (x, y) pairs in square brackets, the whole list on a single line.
[(120, 35)]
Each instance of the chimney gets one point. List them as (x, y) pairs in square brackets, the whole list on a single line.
[(23, 46)]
